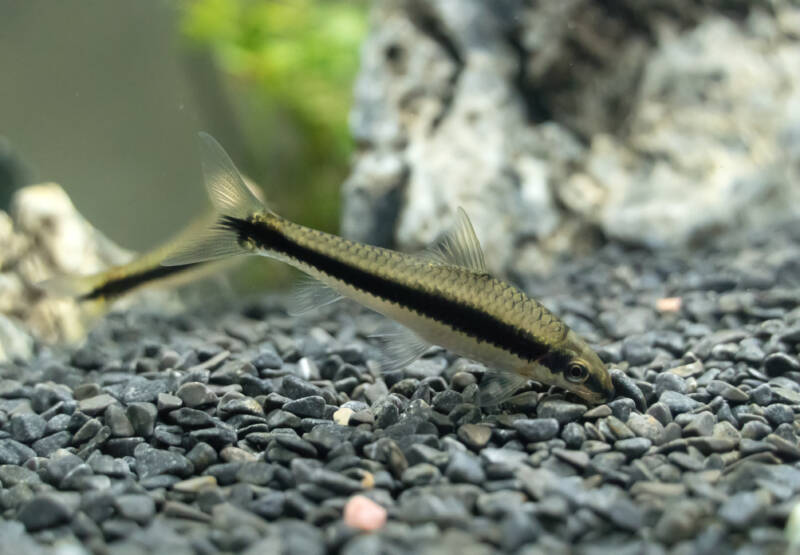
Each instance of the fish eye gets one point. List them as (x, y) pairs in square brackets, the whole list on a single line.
[(577, 372)]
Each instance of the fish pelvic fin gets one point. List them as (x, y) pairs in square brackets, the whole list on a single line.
[(498, 386), (232, 200)]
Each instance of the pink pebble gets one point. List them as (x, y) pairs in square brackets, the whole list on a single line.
[(364, 514)]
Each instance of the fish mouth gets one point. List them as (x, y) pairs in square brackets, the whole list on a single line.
[(599, 397)]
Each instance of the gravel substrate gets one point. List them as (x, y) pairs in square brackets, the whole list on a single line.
[(215, 431)]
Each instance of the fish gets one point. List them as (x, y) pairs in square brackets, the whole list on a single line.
[(97, 292), (443, 296)]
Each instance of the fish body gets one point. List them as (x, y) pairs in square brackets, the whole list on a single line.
[(444, 297)]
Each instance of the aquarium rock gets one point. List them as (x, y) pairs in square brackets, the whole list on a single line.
[(557, 125)]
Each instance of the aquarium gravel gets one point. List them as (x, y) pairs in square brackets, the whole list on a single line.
[(242, 429)]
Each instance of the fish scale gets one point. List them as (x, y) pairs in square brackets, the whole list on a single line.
[(482, 292)]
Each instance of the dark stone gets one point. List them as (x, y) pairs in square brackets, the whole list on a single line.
[(196, 394), (727, 391), (48, 444), (474, 436), (668, 381), (152, 462), (536, 429), (191, 418), (755, 430), (623, 385), (446, 401), (239, 405), (779, 413), (11, 476), (256, 473), (141, 390), (218, 437), (778, 364), (202, 455), (139, 508), (762, 395), (97, 404), (166, 402), (267, 359), (269, 506), (421, 474), (562, 411), (637, 352), (677, 402), (517, 529), (742, 509), (573, 435), (27, 427), (701, 424), (297, 388), (335, 482), (464, 467), (117, 420), (142, 417), (87, 431), (313, 406), (47, 510), (634, 447)]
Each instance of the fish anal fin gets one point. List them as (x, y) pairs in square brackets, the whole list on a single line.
[(399, 347), (459, 246), (497, 387), (309, 294)]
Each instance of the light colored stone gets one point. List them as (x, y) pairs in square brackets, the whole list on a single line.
[(15, 343), (194, 485), (342, 416), (362, 513)]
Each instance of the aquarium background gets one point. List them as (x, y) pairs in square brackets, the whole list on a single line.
[(105, 98)]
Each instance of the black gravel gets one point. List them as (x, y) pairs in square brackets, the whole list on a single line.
[(214, 430)]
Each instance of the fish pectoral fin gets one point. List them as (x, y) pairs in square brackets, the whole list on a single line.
[(497, 387), (399, 346), (309, 294), (458, 247), (230, 197)]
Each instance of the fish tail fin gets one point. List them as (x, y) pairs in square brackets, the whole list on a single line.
[(76, 287), (81, 290), (233, 202)]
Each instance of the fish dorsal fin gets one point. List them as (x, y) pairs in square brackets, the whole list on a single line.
[(309, 294), (230, 197), (226, 188), (458, 247)]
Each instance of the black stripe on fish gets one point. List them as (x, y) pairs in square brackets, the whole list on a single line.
[(466, 319), (115, 287)]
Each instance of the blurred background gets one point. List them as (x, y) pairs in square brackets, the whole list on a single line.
[(558, 126), (105, 97)]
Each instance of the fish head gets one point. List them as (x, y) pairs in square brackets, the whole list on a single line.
[(575, 367)]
